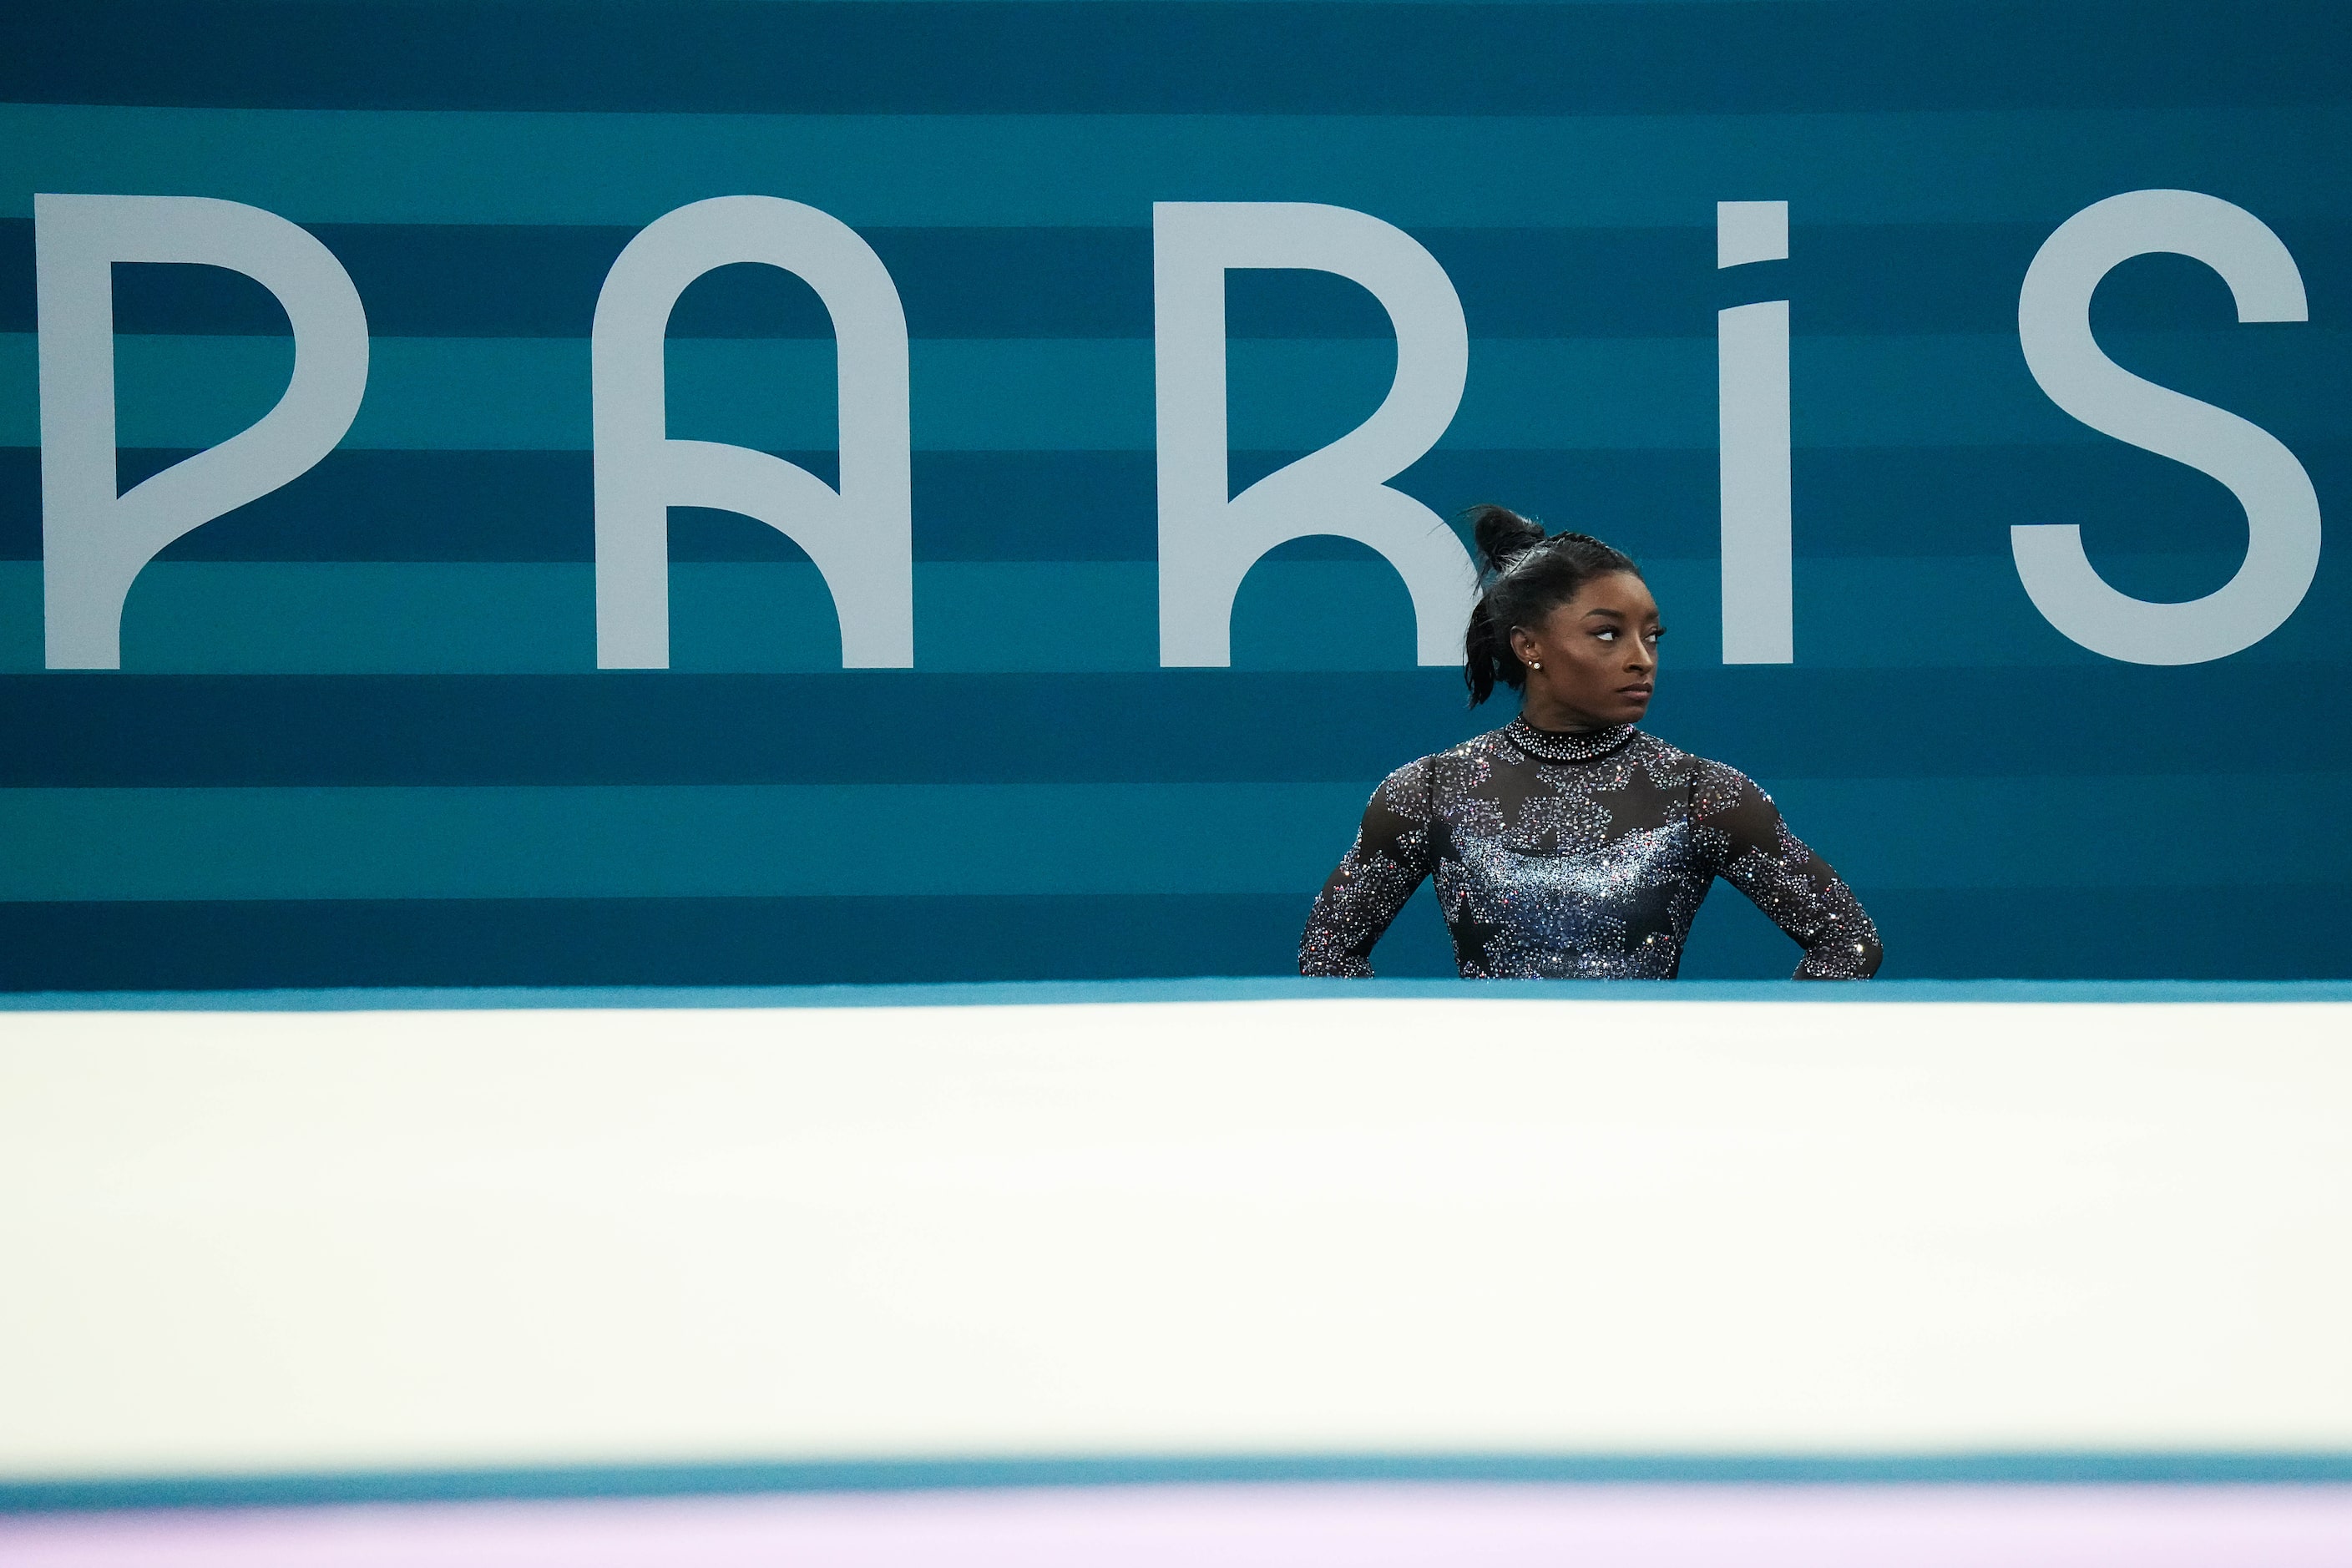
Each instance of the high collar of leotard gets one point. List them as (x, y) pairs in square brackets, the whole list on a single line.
[(1566, 745)]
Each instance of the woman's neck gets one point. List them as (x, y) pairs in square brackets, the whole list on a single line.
[(1554, 719)]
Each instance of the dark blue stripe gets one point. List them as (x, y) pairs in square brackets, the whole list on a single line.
[(1167, 726), (363, 505), (2062, 1467), (1172, 57), (624, 727), (493, 280), (2152, 934), (2237, 932), (273, 945)]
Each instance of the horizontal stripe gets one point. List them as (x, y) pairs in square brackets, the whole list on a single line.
[(1175, 58), (2229, 930), (1999, 166), (2132, 1467), (1968, 612), (490, 281), (2233, 931), (515, 618), (678, 841), (913, 840), (69, 730), (362, 505), (1523, 395), (675, 728), (518, 618), (1881, 991), (2023, 834), (471, 942)]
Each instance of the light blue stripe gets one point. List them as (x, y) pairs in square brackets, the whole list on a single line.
[(1048, 395), (2155, 1467), (886, 841), (673, 841), (1018, 616), (1964, 612), (520, 618), (1131, 993), (420, 166), (1968, 612), (2199, 830), (363, 618)]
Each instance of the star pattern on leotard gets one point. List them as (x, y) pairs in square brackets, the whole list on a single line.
[(1638, 804), (1586, 864)]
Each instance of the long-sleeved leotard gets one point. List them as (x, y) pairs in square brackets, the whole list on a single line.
[(1586, 856)]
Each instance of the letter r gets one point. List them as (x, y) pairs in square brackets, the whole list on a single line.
[(1208, 542)]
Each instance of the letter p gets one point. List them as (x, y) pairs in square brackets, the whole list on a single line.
[(93, 541)]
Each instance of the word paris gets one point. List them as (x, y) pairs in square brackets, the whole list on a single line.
[(95, 542)]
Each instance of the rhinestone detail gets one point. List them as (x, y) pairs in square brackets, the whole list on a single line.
[(1566, 746)]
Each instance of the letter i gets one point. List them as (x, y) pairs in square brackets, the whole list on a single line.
[(1752, 387)]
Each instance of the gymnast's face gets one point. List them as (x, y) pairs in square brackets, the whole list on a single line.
[(1594, 660)]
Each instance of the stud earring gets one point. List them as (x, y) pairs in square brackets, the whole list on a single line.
[(1535, 664)]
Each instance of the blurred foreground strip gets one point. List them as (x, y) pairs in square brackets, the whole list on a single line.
[(1279, 1527)]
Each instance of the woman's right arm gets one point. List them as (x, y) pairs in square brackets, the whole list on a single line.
[(1387, 862)]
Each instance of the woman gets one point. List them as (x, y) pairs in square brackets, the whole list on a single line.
[(1569, 843)]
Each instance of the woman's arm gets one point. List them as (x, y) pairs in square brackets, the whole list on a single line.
[(1752, 848), (1386, 863)]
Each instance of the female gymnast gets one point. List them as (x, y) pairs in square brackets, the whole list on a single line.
[(1568, 843)]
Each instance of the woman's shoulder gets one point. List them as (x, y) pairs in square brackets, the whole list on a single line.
[(1406, 789), (1478, 748), (1414, 782), (1714, 786)]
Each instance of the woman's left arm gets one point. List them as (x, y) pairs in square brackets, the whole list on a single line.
[(1751, 847)]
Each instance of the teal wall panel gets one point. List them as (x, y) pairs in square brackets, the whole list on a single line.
[(359, 736)]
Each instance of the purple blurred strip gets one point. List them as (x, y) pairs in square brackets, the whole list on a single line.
[(1243, 1527)]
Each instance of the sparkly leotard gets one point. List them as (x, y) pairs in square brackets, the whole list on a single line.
[(1578, 855)]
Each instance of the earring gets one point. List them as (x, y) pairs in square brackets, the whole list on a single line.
[(1535, 664)]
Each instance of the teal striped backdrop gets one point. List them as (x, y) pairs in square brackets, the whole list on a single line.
[(359, 737)]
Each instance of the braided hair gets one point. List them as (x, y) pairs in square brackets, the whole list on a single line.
[(1526, 574)]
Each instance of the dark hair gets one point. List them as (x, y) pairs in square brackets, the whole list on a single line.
[(1524, 575)]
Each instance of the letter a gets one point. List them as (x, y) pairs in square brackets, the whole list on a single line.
[(861, 536)]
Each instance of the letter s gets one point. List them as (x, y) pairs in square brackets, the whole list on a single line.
[(2054, 325)]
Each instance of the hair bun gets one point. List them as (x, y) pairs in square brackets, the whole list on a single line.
[(1503, 535), (1528, 575)]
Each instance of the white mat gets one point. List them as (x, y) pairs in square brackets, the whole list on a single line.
[(279, 1241)]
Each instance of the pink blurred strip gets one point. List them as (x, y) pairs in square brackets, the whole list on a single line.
[(1361, 1526)]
